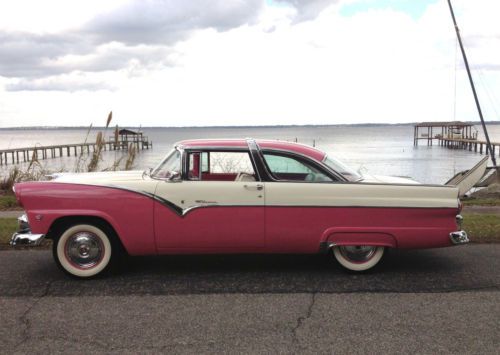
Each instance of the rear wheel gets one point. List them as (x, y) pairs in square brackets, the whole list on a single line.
[(358, 257), (83, 250)]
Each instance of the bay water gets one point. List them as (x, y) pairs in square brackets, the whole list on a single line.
[(376, 149)]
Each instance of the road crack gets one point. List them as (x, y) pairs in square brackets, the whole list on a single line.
[(24, 317), (301, 320)]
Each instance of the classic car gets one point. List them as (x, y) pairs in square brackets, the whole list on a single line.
[(238, 196)]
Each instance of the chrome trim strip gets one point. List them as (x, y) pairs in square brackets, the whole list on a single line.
[(253, 148)]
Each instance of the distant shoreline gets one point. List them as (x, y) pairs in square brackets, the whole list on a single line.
[(490, 123)]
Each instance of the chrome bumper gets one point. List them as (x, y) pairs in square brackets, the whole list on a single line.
[(24, 236), (459, 237)]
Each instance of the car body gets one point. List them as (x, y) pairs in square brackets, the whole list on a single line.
[(237, 196)]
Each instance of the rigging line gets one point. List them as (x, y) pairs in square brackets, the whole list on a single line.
[(488, 93), (489, 149), (455, 92)]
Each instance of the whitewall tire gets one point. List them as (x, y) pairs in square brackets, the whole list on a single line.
[(83, 250), (358, 258)]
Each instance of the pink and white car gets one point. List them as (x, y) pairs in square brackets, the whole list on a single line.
[(238, 196)]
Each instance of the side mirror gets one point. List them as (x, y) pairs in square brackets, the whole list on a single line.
[(147, 172), (174, 176)]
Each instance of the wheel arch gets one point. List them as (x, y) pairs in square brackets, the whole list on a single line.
[(57, 226), (357, 236)]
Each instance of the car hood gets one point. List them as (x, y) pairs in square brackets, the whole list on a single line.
[(382, 179), (106, 177)]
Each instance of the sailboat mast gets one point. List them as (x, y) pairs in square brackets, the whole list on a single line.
[(464, 55)]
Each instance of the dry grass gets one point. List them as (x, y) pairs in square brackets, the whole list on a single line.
[(482, 228), (132, 152), (99, 146), (8, 202), (36, 171), (481, 202), (79, 162)]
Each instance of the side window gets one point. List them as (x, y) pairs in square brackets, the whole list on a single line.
[(205, 162), (194, 166), (220, 166), (290, 169)]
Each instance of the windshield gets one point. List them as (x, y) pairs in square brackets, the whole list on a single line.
[(347, 172), (171, 164)]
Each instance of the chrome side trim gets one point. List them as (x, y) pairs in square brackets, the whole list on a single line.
[(459, 237)]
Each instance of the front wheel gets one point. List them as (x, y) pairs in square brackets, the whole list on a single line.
[(83, 250), (357, 257)]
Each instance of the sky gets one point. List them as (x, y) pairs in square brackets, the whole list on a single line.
[(244, 62)]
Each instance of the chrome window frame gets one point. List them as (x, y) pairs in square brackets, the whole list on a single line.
[(176, 148)]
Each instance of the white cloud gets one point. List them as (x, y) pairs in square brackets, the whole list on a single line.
[(261, 66), (307, 10)]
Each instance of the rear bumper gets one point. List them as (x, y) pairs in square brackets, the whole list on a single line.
[(459, 237), (24, 236)]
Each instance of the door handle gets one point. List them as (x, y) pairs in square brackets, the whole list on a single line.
[(254, 187)]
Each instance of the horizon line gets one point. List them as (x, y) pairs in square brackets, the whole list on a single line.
[(242, 126)]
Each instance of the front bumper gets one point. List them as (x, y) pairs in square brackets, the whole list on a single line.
[(24, 236)]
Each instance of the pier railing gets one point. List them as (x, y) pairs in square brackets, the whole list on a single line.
[(26, 154)]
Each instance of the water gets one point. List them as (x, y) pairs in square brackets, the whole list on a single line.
[(383, 150)]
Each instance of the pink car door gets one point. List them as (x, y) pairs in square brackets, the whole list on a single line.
[(217, 206)]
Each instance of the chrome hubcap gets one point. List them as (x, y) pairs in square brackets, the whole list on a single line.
[(358, 254), (84, 249)]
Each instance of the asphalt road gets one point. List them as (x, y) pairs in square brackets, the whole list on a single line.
[(428, 301)]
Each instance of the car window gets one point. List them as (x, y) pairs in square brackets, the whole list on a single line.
[(169, 166), (291, 169), (194, 169), (347, 172), (220, 166)]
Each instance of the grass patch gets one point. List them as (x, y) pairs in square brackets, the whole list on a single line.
[(482, 228), (7, 227), (481, 202), (8, 202)]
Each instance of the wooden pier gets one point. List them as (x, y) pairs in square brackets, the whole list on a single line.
[(27, 154), (469, 144), (430, 131), (453, 135)]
